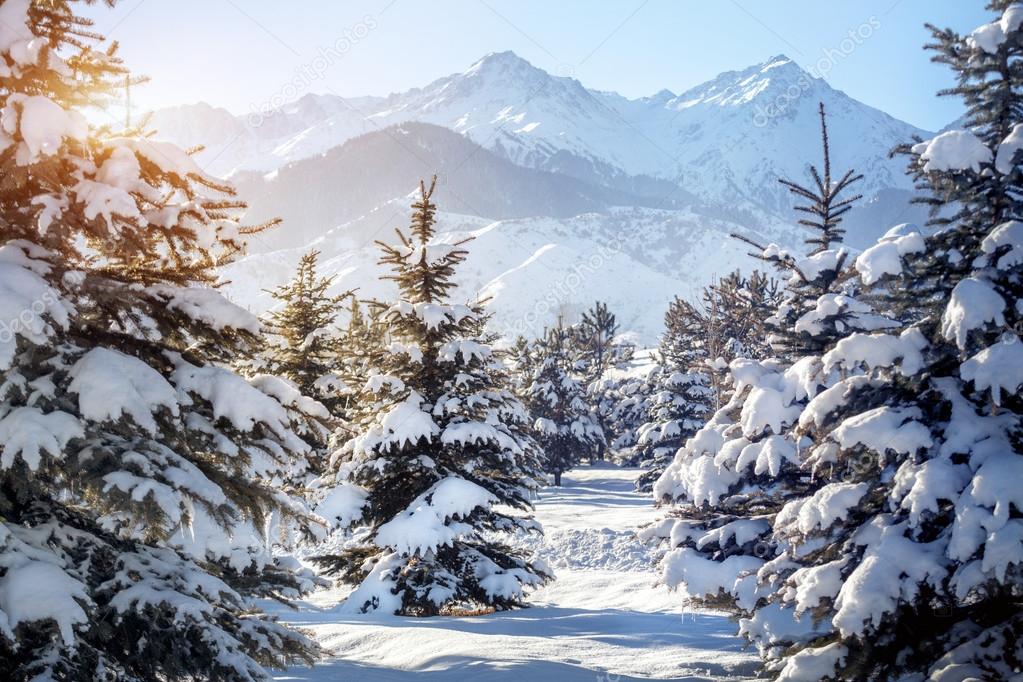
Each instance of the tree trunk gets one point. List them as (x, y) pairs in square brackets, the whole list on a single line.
[(557, 479)]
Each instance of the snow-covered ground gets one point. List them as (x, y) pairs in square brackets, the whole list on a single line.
[(602, 619)]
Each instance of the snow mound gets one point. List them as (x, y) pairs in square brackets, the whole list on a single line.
[(955, 150), (595, 549)]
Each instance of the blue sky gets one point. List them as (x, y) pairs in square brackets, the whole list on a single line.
[(241, 53)]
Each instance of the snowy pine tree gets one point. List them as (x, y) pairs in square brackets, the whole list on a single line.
[(627, 410), (697, 347), (681, 396), (684, 344), (520, 359), (603, 396), (440, 441), (596, 350), (739, 472), (139, 477), (596, 343), (563, 425), (744, 305), (794, 328), (360, 348), (677, 409), (307, 344), (729, 322), (903, 556), (911, 555)]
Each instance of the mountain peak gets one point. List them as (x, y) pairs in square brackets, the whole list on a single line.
[(499, 61), (768, 79), (661, 97), (777, 59), (505, 56), (779, 63)]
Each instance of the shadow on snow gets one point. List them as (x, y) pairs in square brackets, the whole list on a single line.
[(705, 636)]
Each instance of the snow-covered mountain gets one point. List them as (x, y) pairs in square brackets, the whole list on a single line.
[(545, 173), (544, 243), (255, 141), (726, 141)]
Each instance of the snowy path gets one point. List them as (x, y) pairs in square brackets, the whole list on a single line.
[(600, 620)]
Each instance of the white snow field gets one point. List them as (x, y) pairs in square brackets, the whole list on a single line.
[(602, 619)]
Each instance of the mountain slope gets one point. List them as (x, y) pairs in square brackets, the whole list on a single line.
[(348, 181)]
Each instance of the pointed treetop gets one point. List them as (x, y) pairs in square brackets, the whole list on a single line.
[(423, 271), (423, 219), (824, 208)]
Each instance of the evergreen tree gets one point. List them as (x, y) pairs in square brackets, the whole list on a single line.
[(914, 548), (307, 341), (730, 322), (676, 410), (903, 557), (745, 304), (563, 423), (521, 360), (626, 409), (361, 346), (622, 400), (136, 471), (596, 346), (739, 310), (681, 395), (818, 273), (684, 344), (697, 347), (440, 440), (480, 327), (602, 395), (596, 350), (735, 475)]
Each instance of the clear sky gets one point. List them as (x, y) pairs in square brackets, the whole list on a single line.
[(241, 54)]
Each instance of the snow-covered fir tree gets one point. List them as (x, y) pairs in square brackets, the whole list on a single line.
[(684, 344), (596, 349), (306, 343), (743, 304), (696, 348), (794, 328), (520, 359), (678, 407), (603, 396), (480, 327), (362, 343), (440, 441), (623, 402), (563, 423), (678, 394), (140, 479), (904, 556), (728, 322), (910, 556), (596, 342), (737, 473)]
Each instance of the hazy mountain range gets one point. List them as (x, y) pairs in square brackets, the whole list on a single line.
[(546, 173)]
